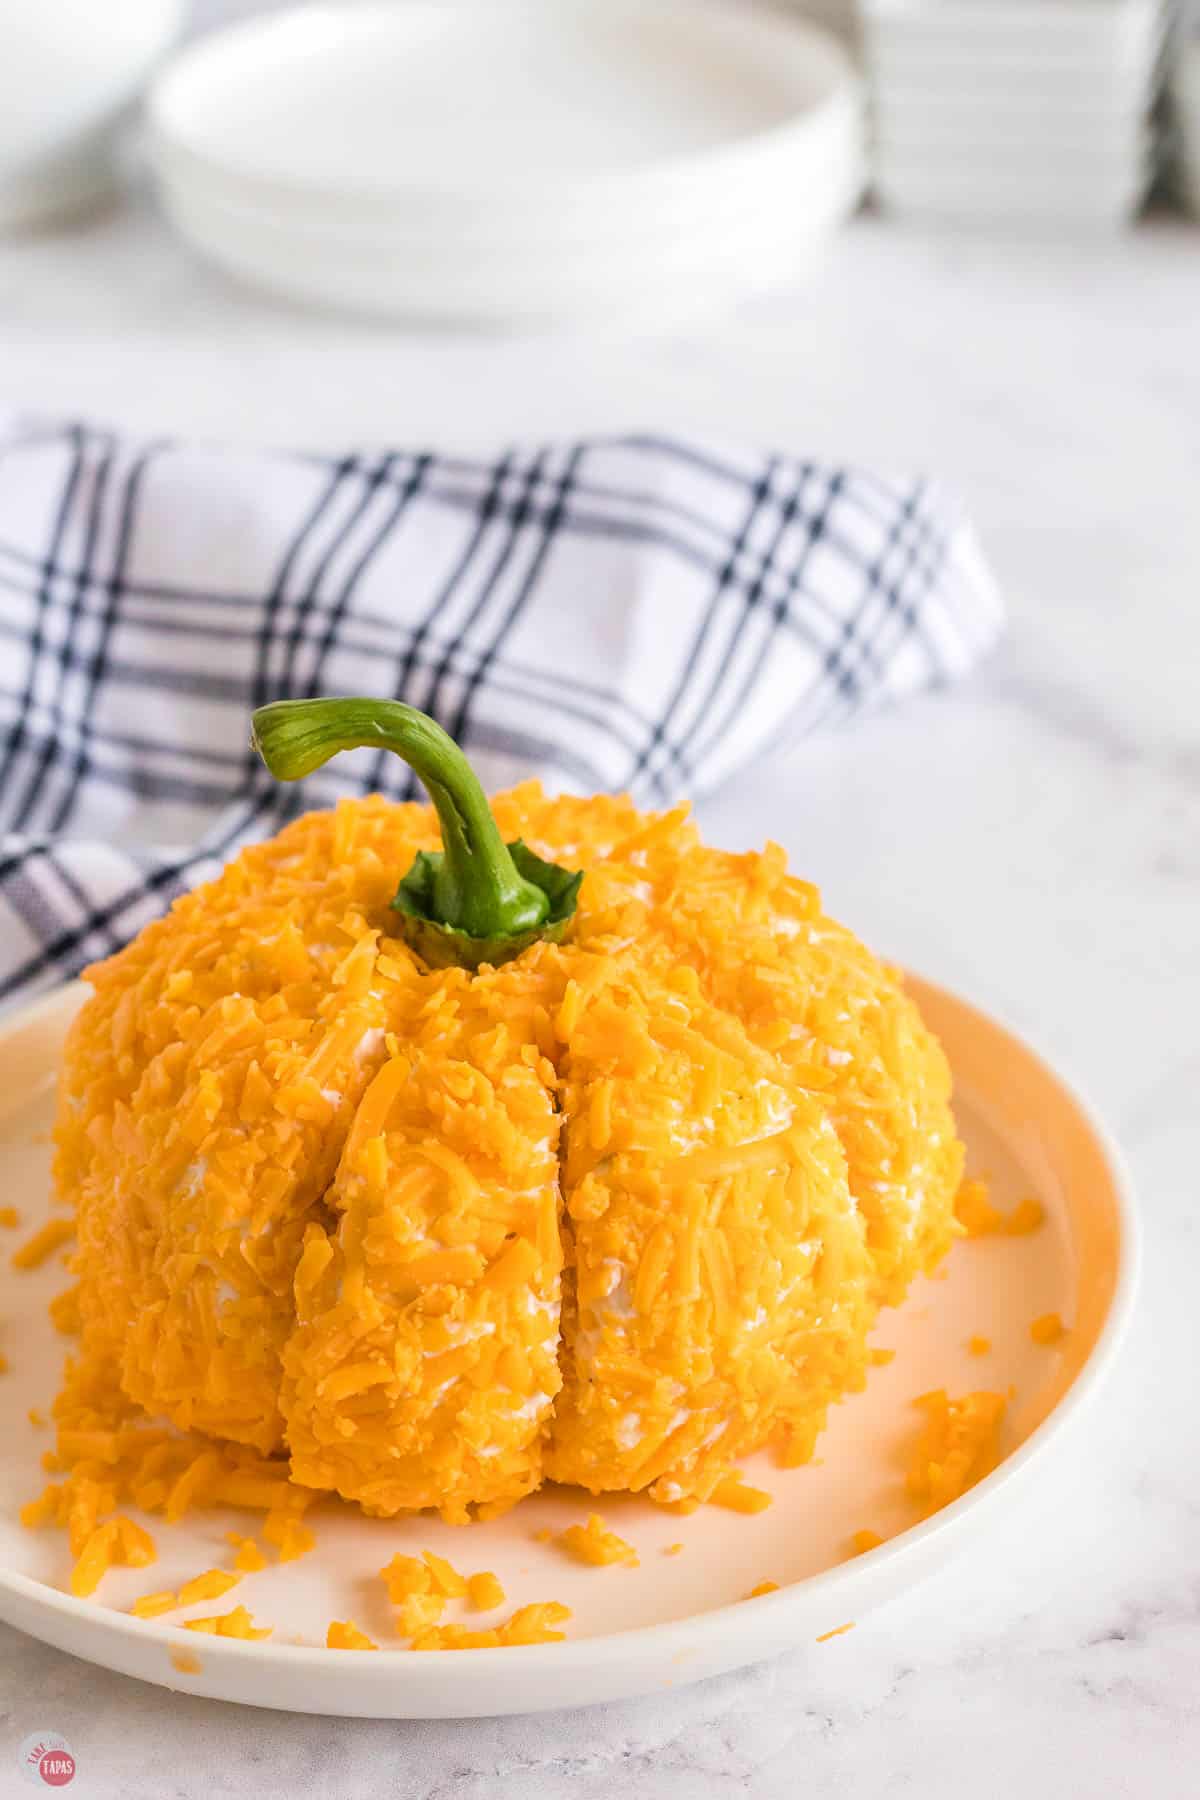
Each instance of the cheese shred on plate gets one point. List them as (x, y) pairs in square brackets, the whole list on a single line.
[(235, 1624), (958, 1446), (977, 1217), (42, 1245), (209, 1586), (595, 1543), (865, 1540), (343, 1634), (534, 1624), (616, 1213)]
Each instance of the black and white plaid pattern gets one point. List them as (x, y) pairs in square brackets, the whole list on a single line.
[(628, 613)]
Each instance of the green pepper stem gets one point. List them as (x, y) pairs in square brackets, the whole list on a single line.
[(477, 888)]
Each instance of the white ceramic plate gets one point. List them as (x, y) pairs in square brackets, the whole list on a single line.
[(441, 139), (642, 276), (676, 1618)]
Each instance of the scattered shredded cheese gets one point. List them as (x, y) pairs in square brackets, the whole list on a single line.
[(149, 1606), (484, 1591), (837, 1631), (42, 1245), (235, 1624), (596, 1543), (763, 1587), (1047, 1329), (292, 1538), (535, 1624), (406, 1575), (249, 1558), (979, 1218), (958, 1446), (865, 1540), (415, 1613), (446, 1579), (209, 1586), (733, 1493), (343, 1634), (99, 1548)]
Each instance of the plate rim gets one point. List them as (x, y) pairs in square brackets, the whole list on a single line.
[(704, 1629)]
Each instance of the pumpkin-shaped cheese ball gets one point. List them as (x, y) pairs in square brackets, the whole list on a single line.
[(498, 1178)]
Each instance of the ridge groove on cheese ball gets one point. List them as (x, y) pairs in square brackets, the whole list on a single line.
[(424, 1361)]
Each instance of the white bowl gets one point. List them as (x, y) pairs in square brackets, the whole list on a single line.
[(402, 158), (69, 73)]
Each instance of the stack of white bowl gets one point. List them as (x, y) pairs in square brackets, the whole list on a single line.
[(461, 161), (70, 72), (1029, 112)]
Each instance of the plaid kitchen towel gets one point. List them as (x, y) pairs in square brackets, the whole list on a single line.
[(636, 613)]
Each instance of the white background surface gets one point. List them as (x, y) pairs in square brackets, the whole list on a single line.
[(1033, 840)]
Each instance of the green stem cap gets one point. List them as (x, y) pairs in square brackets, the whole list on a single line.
[(477, 900)]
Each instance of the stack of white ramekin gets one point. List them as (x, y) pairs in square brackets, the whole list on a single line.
[(1030, 112)]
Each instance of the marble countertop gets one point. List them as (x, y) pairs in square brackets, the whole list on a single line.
[(1032, 839)]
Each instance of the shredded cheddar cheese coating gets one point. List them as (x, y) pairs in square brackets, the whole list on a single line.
[(617, 1213)]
